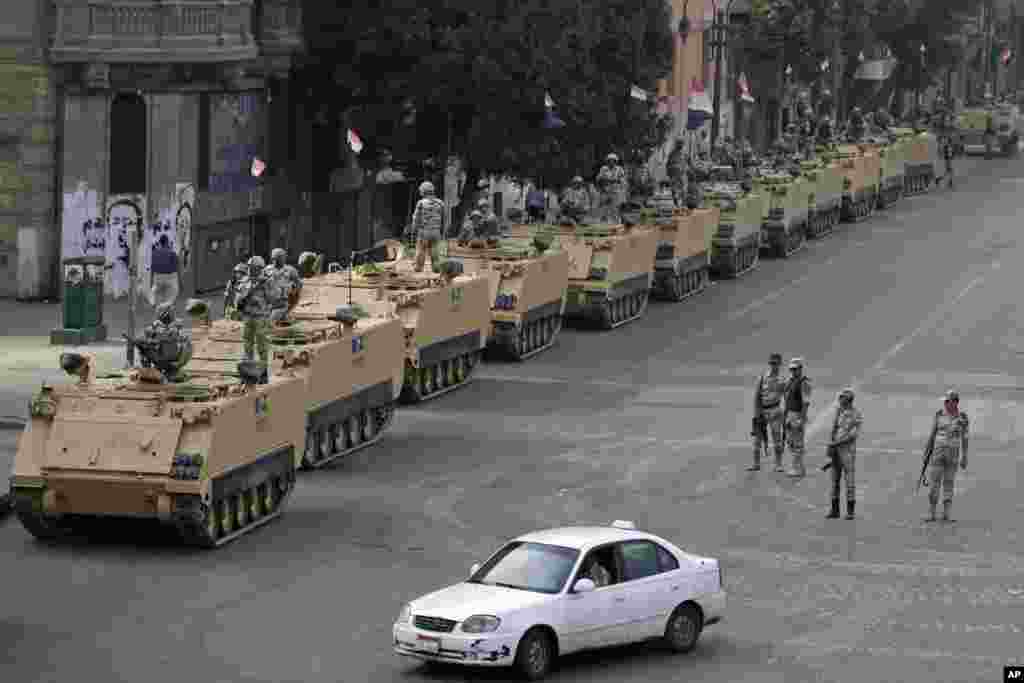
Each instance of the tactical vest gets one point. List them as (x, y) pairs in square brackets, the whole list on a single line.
[(795, 397)]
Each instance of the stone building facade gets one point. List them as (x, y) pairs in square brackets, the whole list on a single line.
[(145, 116)]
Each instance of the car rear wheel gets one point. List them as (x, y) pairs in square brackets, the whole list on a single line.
[(683, 629), (535, 655)]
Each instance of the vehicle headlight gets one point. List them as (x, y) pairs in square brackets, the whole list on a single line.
[(405, 615), (481, 623)]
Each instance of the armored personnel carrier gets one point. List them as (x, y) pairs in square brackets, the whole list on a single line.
[(681, 261), (891, 171), (789, 201), (1006, 122), (737, 240), (211, 453), (861, 171), (826, 199), (446, 317), (528, 282), (610, 268), (921, 160)]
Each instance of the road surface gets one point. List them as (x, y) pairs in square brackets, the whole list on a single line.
[(650, 423)]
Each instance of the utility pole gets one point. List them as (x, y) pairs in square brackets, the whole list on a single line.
[(718, 42), (837, 70)]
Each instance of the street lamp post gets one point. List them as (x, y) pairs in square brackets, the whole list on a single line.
[(718, 42), (920, 81)]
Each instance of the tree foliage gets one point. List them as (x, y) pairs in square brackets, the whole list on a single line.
[(477, 72)]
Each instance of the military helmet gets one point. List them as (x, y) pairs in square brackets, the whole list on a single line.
[(847, 393), (165, 312), (612, 157), (475, 214), (775, 358), (796, 363), (257, 262), (277, 252), (426, 187), (483, 204), (241, 269), (577, 180), (952, 395)]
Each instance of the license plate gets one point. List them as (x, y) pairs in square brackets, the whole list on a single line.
[(432, 645)]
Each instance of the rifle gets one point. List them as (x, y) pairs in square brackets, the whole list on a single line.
[(929, 447), (832, 452)]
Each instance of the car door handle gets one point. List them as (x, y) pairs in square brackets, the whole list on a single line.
[(620, 599), (675, 588)]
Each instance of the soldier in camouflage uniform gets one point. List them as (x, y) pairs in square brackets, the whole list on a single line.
[(857, 126), (676, 171), (472, 227), (949, 449), (575, 200), (768, 395), (253, 301), (614, 188), (491, 226), (797, 402), (768, 414), (845, 431), (428, 225), (285, 284), (166, 328), (231, 291)]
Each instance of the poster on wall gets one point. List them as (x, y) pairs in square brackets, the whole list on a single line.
[(83, 232), (185, 206), (124, 214)]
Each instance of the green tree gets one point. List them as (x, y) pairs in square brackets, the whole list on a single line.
[(478, 71)]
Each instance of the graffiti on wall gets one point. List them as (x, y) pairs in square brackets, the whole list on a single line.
[(83, 232), (185, 206), (125, 216)]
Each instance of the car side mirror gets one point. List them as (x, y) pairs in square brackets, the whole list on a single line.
[(584, 586), (474, 569)]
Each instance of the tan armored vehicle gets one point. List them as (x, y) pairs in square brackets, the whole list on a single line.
[(827, 198), (922, 162), (213, 456), (610, 268), (352, 373), (681, 261), (446, 318), (861, 173), (528, 284)]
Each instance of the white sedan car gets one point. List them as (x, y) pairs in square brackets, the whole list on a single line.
[(552, 592)]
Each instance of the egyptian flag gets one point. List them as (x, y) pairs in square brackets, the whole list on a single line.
[(699, 109)]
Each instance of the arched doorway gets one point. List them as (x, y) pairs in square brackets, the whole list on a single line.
[(128, 142)]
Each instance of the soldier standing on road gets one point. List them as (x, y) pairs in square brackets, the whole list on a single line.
[(771, 387), (843, 449), (798, 400), (428, 225), (949, 447), (231, 291), (253, 304)]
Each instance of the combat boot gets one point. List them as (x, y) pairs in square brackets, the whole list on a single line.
[(754, 468), (778, 462), (946, 504), (834, 514), (849, 509)]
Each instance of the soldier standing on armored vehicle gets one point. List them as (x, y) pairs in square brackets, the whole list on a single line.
[(166, 329), (611, 180), (231, 291), (947, 447), (856, 128), (428, 226), (253, 305), (491, 226), (285, 284), (768, 415), (842, 450), (575, 200), (676, 171), (472, 227), (797, 401)]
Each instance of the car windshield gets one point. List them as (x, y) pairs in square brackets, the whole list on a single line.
[(536, 567)]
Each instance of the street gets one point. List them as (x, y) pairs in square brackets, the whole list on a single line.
[(649, 423)]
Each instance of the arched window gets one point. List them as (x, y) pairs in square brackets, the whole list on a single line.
[(128, 123)]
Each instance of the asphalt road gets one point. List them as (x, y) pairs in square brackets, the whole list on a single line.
[(649, 423)]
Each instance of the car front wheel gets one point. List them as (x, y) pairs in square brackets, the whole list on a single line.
[(535, 655), (683, 628)]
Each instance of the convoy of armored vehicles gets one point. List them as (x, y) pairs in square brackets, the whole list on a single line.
[(212, 448)]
